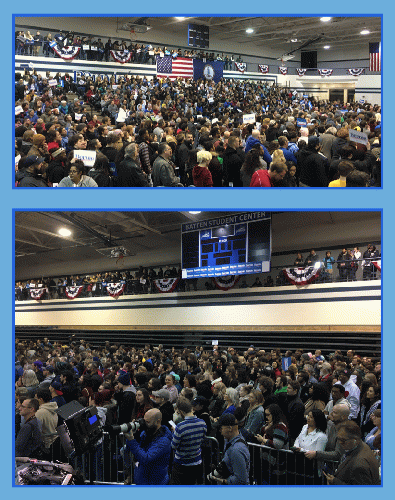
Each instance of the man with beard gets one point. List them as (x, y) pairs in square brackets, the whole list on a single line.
[(184, 145), (152, 452), (32, 176)]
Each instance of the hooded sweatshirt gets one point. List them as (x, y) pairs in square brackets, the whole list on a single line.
[(48, 417)]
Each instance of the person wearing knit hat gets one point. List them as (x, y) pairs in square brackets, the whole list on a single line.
[(125, 397), (32, 175)]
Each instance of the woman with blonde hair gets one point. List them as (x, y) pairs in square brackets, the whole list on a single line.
[(200, 173), (255, 413), (278, 156)]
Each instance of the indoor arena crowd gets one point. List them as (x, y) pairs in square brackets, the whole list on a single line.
[(129, 131), (324, 410)]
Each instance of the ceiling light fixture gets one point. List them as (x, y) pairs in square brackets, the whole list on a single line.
[(249, 30), (294, 39), (195, 213), (364, 32), (64, 232), (327, 46), (325, 19)]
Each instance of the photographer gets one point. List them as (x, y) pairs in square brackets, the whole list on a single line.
[(236, 462), (153, 451)]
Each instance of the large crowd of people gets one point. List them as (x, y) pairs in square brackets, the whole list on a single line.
[(326, 408), (143, 280), (129, 131)]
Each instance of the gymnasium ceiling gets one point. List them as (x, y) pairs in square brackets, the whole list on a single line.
[(277, 32), (153, 238)]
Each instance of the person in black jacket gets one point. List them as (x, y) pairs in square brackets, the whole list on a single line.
[(312, 258), (312, 165), (31, 176), (125, 397), (57, 169), (343, 264), (162, 401), (233, 161), (295, 410), (130, 173)]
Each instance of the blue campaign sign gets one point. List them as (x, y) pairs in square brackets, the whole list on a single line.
[(301, 122), (286, 363)]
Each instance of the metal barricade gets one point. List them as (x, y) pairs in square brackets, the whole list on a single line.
[(210, 456), (270, 466)]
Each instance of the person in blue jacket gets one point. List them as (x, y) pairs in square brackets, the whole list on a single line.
[(254, 138), (152, 452)]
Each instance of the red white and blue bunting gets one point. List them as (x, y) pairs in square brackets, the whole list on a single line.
[(225, 282), (325, 72), (283, 70), (301, 71), (72, 292), (121, 56), (241, 66), (355, 71), (37, 293), (301, 275), (377, 264), (166, 285), (115, 289), (68, 53), (263, 68)]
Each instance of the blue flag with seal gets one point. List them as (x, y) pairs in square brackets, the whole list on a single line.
[(212, 70)]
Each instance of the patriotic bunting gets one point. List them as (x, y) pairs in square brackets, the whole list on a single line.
[(121, 56), (325, 72), (225, 282), (283, 70), (377, 264), (115, 289), (263, 68), (300, 71), (37, 293), (355, 71), (72, 292), (241, 66), (301, 275), (166, 285), (68, 53)]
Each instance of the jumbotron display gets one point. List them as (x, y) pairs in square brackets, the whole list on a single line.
[(198, 36), (237, 244)]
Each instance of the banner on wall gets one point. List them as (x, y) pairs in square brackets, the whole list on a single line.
[(356, 71), (166, 285), (115, 289), (301, 275), (225, 282), (72, 292), (66, 53), (263, 68), (37, 293)]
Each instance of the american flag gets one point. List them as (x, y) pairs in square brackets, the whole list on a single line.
[(375, 56), (167, 67)]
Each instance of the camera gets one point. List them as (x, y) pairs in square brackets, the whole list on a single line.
[(130, 426), (221, 471)]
